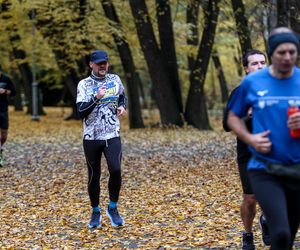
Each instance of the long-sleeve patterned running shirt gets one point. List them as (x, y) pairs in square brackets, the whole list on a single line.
[(100, 120)]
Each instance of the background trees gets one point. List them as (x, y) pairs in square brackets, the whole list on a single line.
[(161, 49)]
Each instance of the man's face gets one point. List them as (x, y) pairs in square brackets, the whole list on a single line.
[(284, 57), (99, 69), (255, 62)]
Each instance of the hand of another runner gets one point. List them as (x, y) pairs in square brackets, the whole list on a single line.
[(2, 91)]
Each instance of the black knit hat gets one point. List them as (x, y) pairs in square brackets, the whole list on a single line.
[(275, 40)]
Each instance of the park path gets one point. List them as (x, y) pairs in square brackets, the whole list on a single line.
[(180, 190)]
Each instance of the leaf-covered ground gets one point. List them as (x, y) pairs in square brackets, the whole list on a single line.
[(180, 189)]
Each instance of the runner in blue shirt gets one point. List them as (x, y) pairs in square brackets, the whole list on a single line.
[(269, 92)]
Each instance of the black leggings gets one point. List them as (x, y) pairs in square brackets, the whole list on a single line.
[(279, 198), (112, 150)]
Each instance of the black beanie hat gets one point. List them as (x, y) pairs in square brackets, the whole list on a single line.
[(277, 39)]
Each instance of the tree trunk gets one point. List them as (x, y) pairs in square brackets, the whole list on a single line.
[(222, 79), (221, 76), (282, 13), (238, 62), (71, 79), (132, 78), (241, 25), (18, 53), (83, 63), (26, 75), (192, 16), (18, 98), (196, 111), (269, 19), (164, 92), (295, 15), (167, 47), (48, 28)]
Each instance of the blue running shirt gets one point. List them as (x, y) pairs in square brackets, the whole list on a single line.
[(269, 98)]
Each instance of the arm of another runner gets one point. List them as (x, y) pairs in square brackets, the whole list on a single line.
[(226, 112)]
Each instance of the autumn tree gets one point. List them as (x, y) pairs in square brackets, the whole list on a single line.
[(196, 111), (165, 93), (295, 15), (12, 28), (53, 29), (132, 77), (167, 47), (282, 13), (241, 25), (192, 19), (221, 76), (268, 18)]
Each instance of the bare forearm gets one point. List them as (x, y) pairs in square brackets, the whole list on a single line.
[(238, 126), (260, 141)]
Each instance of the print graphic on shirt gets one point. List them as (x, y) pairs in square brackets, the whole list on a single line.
[(269, 101), (110, 94), (106, 123), (261, 104), (294, 103), (102, 123), (110, 98), (262, 92), (105, 111)]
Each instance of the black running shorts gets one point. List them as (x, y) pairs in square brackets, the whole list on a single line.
[(4, 120), (244, 176)]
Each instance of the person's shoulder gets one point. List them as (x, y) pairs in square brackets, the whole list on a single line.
[(259, 73), (297, 70), (83, 82), (112, 76), (234, 90), (256, 76), (5, 77)]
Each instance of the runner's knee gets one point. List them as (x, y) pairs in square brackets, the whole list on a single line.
[(115, 170), (281, 239)]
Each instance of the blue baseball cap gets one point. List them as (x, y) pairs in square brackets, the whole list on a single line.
[(99, 56)]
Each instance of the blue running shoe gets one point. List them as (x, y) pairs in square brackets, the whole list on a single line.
[(115, 219), (95, 221)]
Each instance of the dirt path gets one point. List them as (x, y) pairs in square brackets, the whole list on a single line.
[(180, 190)]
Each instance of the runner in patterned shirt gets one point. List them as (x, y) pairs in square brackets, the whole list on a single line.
[(101, 101)]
